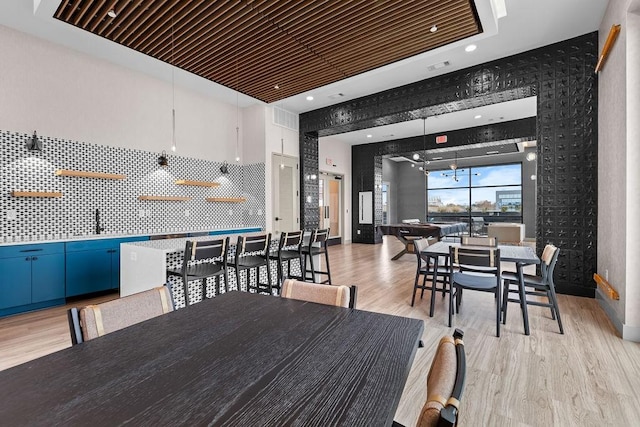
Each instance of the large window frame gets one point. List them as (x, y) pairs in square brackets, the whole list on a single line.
[(467, 182)]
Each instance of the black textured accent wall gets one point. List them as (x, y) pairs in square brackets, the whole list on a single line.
[(562, 77), (309, 212)]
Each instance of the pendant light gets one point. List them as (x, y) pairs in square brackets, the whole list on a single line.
[(173, 91), (237, 115)]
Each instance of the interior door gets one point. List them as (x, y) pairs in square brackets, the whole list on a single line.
[(330, 203), (285, 193)]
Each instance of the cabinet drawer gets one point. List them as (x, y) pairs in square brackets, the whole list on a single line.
[(35, 249)]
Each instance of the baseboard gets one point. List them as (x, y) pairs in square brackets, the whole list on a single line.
[(627, 332), (609, 311)]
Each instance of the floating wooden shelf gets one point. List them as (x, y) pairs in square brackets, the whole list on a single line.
[(16, 193), (83, 174), (197, 183), (165, 198), (226, 199)]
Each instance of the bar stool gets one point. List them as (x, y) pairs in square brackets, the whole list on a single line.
[(289, 249), (203, 259), (252, 252), (317, 246)]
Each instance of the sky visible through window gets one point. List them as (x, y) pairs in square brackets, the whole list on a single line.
[(485, 182)]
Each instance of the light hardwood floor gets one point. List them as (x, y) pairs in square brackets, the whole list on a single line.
[(587, 377)]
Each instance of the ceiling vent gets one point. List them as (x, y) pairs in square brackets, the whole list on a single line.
[(336, 96), (285, 118), (439, 65)]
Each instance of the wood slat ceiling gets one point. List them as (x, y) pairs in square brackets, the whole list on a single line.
[(253, 45)]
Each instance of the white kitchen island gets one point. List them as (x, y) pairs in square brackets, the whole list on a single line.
[(143, 265)]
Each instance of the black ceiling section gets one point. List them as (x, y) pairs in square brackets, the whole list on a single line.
[(561, 76)]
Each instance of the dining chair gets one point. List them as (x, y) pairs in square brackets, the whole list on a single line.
[(445, 384), (202, 260), (478, 270), (252, 253), (338, 295), (426, 268), (96, 320), (479, 241), (535, 286), (317, 246), (289, 249)]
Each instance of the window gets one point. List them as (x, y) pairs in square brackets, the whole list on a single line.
[(476, 195)]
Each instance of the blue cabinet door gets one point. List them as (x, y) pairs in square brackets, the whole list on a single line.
[(47, 277), (15, 284), (115, 268), (88, 271)]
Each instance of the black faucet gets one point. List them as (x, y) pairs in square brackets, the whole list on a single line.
[(98, 228)]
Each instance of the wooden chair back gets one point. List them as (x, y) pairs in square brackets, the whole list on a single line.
[(479, 241), (445, 383), (338, 295), (94, 321)]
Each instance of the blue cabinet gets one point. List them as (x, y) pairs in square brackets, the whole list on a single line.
[(94, 265), (32, 277)]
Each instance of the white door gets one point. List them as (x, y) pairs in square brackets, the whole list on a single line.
[(286, 206)]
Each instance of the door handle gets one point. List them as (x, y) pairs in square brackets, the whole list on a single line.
[(277, 219)]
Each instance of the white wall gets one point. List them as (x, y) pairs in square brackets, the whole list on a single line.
[(339, 155), (618, 176), (66, 94)]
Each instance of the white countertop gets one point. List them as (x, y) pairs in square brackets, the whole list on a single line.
[(120, 236), (178, 244)]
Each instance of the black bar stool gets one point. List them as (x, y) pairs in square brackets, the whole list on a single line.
[(252, 252), (203, 259), (289, 249), (317, 246)]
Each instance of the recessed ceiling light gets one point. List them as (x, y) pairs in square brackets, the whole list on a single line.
[(369, 136), (112, 13), (276, 87), (413, 165), (492, 152), (477, 116), (470, 48), (309, 98), (434, 29), (416, 156)]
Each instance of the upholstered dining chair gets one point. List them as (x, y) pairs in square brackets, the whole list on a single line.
[(94, 321), (445, 384), (535, 286), (479, 241), (203, 259), (425, 269), (478, 270), (338, 295)]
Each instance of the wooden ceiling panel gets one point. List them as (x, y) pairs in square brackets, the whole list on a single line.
[(299, 45)]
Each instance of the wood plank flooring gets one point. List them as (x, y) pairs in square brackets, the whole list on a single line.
[(587, 377)]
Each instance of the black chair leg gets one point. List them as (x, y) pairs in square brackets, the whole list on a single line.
[(415, 288), (498, 310), (326, 258), (554, 301)]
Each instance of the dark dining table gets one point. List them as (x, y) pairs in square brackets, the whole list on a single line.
[(239, 359), (520, 255)]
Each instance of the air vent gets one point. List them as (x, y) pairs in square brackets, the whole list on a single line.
[(336, 96), (285, 118), (438, 66)]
